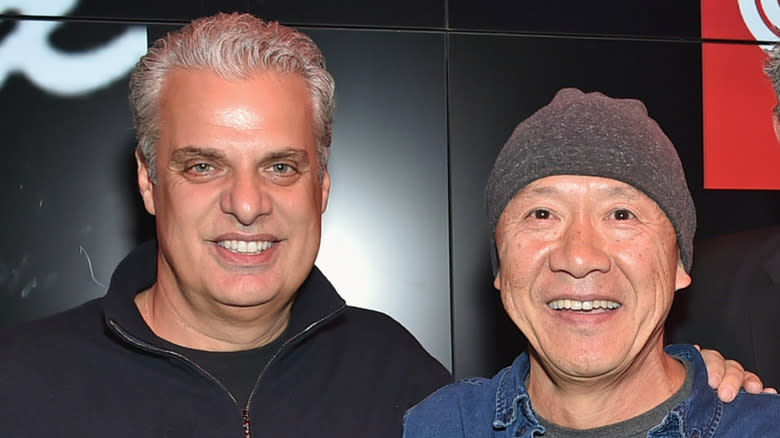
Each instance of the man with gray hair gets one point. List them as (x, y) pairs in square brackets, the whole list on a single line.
[(592, 224), (223, 327)]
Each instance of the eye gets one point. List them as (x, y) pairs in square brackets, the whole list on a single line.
[(540, 214), (201, 168), (623, 214), (281, 168)]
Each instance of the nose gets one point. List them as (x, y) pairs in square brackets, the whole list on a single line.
[(246, 198), (580, 250)]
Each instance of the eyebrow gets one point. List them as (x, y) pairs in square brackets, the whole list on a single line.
[(194, 152), (299, 155), (187, 153)]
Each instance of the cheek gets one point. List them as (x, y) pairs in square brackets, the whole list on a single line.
[(296, 206), (651, 253), (301, 211), (188, 204), (522, 269), (651, 268), (522, 264), (510, 303), (518, 306)]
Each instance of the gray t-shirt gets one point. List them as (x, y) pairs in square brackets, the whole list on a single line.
[(636, 427)]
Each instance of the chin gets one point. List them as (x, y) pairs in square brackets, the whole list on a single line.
[(246, 289)]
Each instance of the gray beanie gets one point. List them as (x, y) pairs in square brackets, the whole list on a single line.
[(594, 135)]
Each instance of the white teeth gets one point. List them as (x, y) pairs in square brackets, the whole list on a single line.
[(568, 304), (244, 247)]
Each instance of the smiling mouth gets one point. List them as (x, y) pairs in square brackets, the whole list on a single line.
[(251, 247), (583, 306)]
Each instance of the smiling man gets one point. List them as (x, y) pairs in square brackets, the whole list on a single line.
[(593, 229), (238, 197), (222, 327)]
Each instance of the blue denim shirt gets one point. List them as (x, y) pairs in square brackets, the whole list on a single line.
[(501, 407)]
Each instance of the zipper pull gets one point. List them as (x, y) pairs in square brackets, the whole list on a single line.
[(245, 418)]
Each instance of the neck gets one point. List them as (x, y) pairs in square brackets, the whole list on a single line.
[(210, 328), (586, 403)]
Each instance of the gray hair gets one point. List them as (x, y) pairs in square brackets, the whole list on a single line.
[(234, 46), (772, 70)]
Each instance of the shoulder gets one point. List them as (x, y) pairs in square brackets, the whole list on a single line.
[(751, 415), (375, 357), (756, 401), (454, 410), (467, 407), (377, 340), (470, 391), (745, 416), (74, 323), (60, 334), (371, 317), (372, 326), (364, 326), (38, 353)]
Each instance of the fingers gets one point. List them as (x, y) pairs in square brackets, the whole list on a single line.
[(752, 383), (729, 376), (716, 366), (734, 378)]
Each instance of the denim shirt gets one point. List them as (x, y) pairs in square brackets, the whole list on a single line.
[(501, 407)]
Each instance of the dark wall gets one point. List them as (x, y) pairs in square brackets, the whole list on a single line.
[(427, 94)]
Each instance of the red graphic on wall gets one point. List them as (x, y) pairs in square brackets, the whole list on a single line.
[(741, 150)]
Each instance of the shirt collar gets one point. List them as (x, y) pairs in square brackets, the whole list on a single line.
[(513, 404), (697, 413)]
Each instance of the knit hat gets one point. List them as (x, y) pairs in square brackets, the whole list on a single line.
[(591, 134)]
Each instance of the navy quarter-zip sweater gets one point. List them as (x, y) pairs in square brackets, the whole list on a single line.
[(99, 371)]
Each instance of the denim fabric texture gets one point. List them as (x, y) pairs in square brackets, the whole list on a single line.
[(501, 407)]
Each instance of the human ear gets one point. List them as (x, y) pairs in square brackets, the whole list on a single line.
[(145, 183), (682, 279), (325, 190)]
